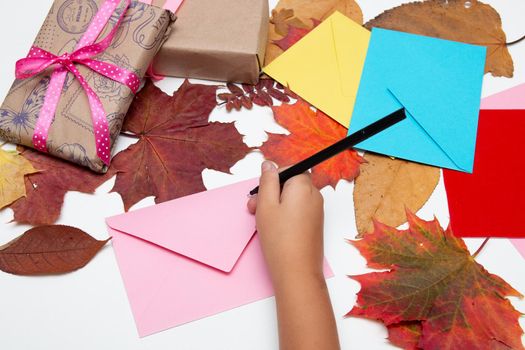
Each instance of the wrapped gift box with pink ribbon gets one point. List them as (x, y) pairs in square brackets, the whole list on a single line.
[(78, 80)]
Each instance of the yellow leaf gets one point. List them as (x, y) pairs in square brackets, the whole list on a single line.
[(13, 167)]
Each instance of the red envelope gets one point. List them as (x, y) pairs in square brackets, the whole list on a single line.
[(491, 201)]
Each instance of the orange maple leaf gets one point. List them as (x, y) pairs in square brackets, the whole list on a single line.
[(311, 132), (435, 295)]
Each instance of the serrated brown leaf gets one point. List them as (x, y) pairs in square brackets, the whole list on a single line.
[(386, 187), (478, 24), (431, 278), (304, 11), (13, 168), (310, 132), (46, 189), (176, 143), (49, 250)]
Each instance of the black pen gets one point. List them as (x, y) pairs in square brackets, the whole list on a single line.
[(340, 146)]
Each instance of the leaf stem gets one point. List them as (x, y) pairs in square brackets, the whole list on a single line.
[(516, 41), (129, 134), (481, 247)]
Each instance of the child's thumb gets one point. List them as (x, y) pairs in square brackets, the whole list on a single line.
[(269, 186)]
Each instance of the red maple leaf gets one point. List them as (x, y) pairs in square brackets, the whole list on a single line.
[(46, 189), (176, 143), (294, 35), (311, 132), (435, 295)]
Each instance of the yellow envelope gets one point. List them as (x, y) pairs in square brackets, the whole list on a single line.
[(325, 66)]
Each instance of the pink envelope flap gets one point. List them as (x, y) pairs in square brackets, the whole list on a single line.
[(211, 227)]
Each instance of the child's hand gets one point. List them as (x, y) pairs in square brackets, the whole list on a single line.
[(290, 225)]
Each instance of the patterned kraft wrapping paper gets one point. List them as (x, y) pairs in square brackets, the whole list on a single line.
[(141, 34)]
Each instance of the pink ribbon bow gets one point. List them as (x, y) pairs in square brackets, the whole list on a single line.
[(38, 60)]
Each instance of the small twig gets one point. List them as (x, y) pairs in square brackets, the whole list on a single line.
[(481, 247)]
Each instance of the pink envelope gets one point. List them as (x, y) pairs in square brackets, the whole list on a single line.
[(513, 98), (190, 258)]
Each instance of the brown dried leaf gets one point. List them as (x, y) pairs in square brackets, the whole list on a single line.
[(278, 95), (246, 102), (478, 24), (176, 143), (225, 96), (304, 11), (263, 99), (237, 104), (283, 18), (46, 189), (386, 187), (237, 91), (247, 88), (48, 250)]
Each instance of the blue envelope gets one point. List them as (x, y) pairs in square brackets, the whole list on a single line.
[(438, 82)]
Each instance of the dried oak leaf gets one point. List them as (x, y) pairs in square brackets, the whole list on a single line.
[(303, 12), (48, 250), (45, 190), (387, 186), (478, 24), (176, 143), (13, 167), (311, 132), (432, 279)]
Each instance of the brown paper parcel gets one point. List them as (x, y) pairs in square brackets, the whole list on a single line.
[(142, 32), (222, 40)]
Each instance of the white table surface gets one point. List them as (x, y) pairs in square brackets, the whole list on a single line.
[(88, 309)]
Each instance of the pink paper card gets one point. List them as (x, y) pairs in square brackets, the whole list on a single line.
[(513, 98), (191, 258)]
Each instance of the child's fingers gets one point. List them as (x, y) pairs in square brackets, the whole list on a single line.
[(269, 187), (252, 204)]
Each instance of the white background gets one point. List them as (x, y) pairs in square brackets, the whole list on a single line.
[(88, 309)]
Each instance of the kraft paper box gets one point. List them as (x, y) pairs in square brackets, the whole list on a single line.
[(222, 40), (143, 30)]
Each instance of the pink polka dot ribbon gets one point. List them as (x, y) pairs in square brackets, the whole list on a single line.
[(38, 60)]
